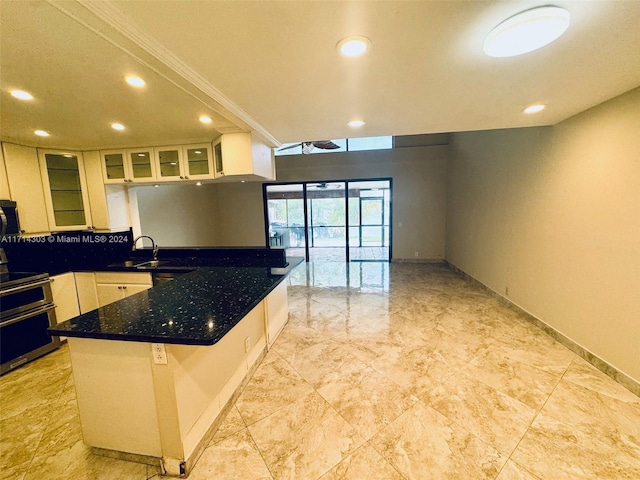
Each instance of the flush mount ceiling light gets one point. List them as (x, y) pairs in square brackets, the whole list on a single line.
[(353, 46), (117, 126), (21, 94), (41, 133), (135, 81), (527, 31), (355, 123), (204, 119), (534, 108)]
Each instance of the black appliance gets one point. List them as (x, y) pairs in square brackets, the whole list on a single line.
[(26, 312), (9, 223)]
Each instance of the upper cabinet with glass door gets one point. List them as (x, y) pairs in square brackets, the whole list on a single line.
[(128, 166), (65, 185), (169, 163), (198, 162), (191, 162), (115, 167), (143, 167)]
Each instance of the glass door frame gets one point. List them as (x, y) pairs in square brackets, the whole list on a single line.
[(346, 182)]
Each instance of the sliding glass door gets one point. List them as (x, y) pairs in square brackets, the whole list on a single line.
[(318, 220)]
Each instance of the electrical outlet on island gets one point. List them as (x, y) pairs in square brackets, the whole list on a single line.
[(159, 353)]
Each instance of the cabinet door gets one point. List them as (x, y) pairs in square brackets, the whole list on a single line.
[(65, 298), (169, 165), (142, 166), (131, 289), (218, 158), (109, 293), (64, 182), (115, 168), (198, 162), (87, 293), (113, 286), (23, 172)]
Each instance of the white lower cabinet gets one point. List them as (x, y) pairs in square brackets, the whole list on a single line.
[(86, 288), (63, 288), (114, 286)]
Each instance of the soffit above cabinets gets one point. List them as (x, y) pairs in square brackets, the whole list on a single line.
[(271, 68)]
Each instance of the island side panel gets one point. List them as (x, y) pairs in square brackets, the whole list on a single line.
[(115, 392), (276, 311), (205, 378)]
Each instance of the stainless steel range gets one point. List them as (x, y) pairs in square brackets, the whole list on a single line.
[(26, 311)]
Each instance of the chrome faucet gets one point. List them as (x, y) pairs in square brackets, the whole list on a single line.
[(153, 245)]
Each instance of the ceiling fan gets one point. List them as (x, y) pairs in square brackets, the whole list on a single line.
[(307, 147)]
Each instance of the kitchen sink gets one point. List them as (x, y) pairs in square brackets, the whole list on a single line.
[(139, 265), (150, 264)]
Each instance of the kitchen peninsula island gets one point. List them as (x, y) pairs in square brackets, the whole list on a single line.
[(155, 373)]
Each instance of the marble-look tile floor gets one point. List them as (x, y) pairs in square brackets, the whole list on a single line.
[(401, 371)]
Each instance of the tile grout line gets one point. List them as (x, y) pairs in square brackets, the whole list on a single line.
[(536, 416)]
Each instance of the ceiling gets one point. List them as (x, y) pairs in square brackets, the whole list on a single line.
[(271, 67)]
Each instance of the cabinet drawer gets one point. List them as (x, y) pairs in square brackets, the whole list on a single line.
[(121, 278)]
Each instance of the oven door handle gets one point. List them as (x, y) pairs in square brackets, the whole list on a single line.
[(38, 311), (27, 286)]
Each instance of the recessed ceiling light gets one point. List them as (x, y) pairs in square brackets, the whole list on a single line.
[(135, 81), (355, 123), (534, 108), (353, 46), (21, 94), (205, 119), (41, 133), (117, 126), (527, 31)]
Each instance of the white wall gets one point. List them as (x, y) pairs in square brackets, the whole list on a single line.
[(231, 214), (179, 215), (419, 190), (553, 215)]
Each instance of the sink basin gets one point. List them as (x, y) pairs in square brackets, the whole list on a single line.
[(149, 264), (138, 264)]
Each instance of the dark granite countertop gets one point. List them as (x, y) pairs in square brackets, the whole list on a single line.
[(198, 308)]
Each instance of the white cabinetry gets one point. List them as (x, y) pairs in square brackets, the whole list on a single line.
[(198, 162), (128, 166), (240, 156), (65, 190), (115, 168), (65, 298), (114, 286), (86, 289), (23, 174), (169, 163), (142, 165), (109, 203)]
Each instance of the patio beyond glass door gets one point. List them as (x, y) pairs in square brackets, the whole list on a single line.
[(327, 223), (369, 220), (317, 220)]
